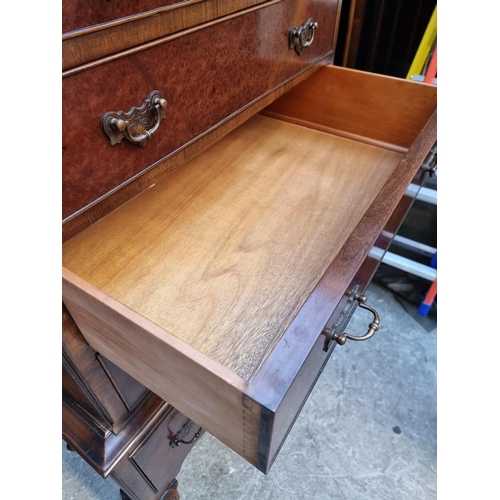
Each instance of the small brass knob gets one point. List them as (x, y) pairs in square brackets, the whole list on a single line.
[(119, 124), (362, 299), (162, 102)]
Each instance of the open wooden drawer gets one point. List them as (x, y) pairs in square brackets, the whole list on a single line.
[(214, 286)]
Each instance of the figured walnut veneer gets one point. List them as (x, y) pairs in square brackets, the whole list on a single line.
[(206, 76), (78, 14)]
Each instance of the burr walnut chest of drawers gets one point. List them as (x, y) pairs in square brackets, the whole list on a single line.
[(224, 187)]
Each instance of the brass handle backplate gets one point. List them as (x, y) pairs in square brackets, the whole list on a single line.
[(299, 38), (334, 333), (139, 124)]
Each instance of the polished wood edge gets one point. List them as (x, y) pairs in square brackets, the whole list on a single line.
[(384, 77), (337, 24), (362, 277), (265, 459), (266, 426), (107, 449), (281, 367), (193, 383), (73, 372), (165, 39), (104, 205), (335, 131), (397, 218), (91, 45), (123, 20), (72, 282), (315, 312)]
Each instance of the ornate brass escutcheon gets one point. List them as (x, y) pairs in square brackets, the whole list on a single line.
[(334, 333), (302, 37), (139, 124)]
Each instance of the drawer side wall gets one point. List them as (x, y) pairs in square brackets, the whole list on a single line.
[(201, 389), (287, 375)]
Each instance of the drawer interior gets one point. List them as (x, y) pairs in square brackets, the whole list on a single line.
[(224, 252), (197, 284), (369, 108)]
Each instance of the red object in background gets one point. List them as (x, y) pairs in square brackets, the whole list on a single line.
[(426, 305), (432, 69)]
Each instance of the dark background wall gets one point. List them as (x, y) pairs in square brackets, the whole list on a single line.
[(381, 36)]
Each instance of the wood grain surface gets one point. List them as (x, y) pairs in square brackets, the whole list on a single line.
[(122, 193), (375, 109), (79, 14), (231, 74), (223, 252), (85, 45), (102, 449), (284, 380), (207, 392)]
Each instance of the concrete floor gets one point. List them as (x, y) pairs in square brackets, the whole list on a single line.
[(367, 431)]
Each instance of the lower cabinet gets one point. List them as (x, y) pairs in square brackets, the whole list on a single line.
[(120, 428), (149, 468)]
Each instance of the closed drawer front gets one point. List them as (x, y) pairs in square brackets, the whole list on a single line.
[(168, 443), (94, 31), (205, 76), (78, 14), (214, 288)]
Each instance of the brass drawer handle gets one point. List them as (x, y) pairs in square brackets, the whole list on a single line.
[(139, 124), (341, 338), (178, 439), (430, 164), (302, 37)]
